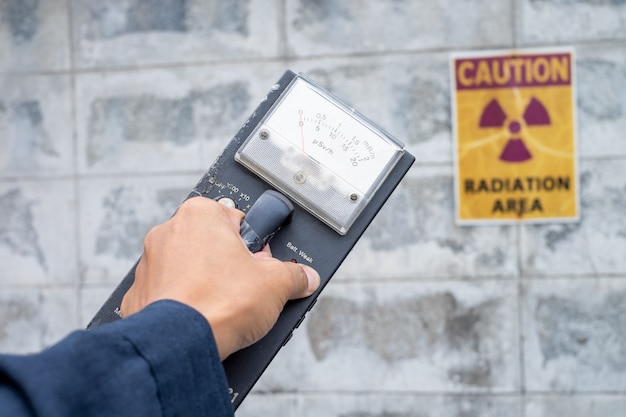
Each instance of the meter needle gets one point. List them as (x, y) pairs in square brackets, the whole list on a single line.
[(301, 129)]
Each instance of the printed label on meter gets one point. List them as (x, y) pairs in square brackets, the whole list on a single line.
[(324, 155)]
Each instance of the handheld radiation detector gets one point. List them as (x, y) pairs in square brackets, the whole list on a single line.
[(310, 173)]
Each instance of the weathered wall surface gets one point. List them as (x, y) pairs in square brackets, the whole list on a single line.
[(110, 112)]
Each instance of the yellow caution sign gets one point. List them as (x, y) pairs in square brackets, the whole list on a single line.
[(514, 134)]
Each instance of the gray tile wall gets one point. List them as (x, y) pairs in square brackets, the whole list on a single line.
[(110, 112)]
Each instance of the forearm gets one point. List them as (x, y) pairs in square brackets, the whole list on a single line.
[(159, 362)]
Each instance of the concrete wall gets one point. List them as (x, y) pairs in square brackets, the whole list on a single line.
[(110, 112)]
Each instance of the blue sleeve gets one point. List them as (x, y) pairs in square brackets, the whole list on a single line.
[(162, 361)]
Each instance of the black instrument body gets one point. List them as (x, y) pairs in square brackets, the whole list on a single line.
[(305, 239)]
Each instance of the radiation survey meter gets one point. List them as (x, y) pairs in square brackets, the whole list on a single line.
[(310, 173)]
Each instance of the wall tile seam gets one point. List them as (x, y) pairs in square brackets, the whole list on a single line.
[(99, 286), (289, 58), (38, 287), (382, 392), (516, 22), (77, 70), (573, 43), (552, 394), (529, 396), (39, 178), (74, 100), (585, 158), (412, 280), (520, 295), (572, 277), (46, 177), (598, 158), (321, 56), (283, 29), (517, 398), (340, 280), (459, 393), (110, 174)]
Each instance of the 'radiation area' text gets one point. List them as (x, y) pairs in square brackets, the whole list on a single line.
[(509, 193)]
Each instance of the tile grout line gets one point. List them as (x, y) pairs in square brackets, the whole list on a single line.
[(520, 287), (282, 31), (520, 323), (75, 175), (314, 57), (152, 173), (514, 21), (445, 393)]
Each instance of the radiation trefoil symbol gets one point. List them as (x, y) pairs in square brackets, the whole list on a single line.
[(515, 150)]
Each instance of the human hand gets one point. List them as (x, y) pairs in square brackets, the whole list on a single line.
[(198, 258)]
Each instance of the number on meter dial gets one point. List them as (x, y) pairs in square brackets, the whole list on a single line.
[(331, 135), (329, 138)]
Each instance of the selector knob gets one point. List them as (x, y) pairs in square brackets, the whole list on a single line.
[(266, 216), (227, 202)]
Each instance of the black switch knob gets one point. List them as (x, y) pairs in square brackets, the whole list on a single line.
[(266, 216)]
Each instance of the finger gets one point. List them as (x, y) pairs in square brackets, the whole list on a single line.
[(235, 216), (305, 280)]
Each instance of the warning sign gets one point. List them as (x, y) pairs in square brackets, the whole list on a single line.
[(514, 133)]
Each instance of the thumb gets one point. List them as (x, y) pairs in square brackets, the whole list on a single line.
[(305, 279)]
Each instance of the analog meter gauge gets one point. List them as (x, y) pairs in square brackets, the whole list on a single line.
[(324, 155)]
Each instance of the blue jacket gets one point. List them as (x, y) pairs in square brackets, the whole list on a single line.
[(161, 361)]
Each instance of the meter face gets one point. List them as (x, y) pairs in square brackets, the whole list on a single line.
[(332, 136), (322, 154)]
